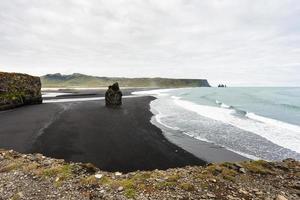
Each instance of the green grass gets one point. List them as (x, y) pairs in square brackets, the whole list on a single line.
[(258, 167), (187, 187), (130, 193), (90, 180), (62, 171)]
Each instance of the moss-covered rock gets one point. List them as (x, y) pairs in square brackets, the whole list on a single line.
[(19, 89)]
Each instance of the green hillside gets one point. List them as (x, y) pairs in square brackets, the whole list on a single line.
[(81, 80)]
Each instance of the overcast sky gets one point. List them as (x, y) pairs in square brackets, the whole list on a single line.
[(238, 42)]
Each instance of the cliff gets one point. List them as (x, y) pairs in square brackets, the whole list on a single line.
[(34, 176), (19, 89), (81, 80)]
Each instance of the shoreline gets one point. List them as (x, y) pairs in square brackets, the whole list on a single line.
[(206, 151), (203, 150), (113, 139), (60, 132)]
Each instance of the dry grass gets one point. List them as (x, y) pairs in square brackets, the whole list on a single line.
[(187, 187)]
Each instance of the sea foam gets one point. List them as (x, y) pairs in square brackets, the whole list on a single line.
[(280, 133)]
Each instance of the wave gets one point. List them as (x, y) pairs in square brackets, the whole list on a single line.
[(238, 112), (53, 94), (281, 134), (278, 132), (290, 106), (153, 92), (223, 105)]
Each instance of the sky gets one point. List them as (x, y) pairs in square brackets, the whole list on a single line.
[(237, 42)]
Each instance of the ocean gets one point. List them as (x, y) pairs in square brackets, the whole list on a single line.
[(258, 122)]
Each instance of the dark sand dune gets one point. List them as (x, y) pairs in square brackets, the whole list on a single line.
[(113, 139)]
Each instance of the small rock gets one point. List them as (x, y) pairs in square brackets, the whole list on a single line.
[(242, 170), (21, 195), (280, 197), (210, 195), (118, 174), (243, 191), (98, 176), (213, 180), (230, 197), (102, 191), (120, 189)]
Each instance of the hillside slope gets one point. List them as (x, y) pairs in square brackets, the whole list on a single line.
[(38, 177), (81, 80)]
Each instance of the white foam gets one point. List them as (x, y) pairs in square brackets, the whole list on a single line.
[(53, 94), (80, 99), (280, 133), (153, 92), (81, 88), (223, 105), (245, 154), (158, 116)]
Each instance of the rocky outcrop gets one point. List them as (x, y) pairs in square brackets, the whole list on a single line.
[(113, 96), (19, 89)]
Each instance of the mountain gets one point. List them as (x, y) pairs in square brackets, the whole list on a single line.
[(81, 80)]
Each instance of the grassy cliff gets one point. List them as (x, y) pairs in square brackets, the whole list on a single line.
[(81, 80), (19, 89)]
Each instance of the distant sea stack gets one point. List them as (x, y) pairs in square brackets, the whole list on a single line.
[(222, 85), (19, 89), (81, 80), (113, 96)]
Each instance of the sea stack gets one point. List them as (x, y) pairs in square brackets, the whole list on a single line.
[(113, 95), (19, 89)]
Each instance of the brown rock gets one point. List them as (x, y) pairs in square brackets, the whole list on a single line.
[(280, 197)]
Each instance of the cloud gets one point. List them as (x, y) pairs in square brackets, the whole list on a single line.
[(247, 42)]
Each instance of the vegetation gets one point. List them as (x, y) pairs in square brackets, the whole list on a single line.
[(187, 187), (259, 167), (243, 180), (80, 80)]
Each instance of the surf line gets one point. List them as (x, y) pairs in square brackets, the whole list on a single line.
[(83, 99)]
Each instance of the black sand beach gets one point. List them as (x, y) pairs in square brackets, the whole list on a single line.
[(120, 139), (113, 139), (88, 93)]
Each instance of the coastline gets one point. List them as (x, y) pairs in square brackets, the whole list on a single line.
[(113, 139), (89, 132), (206, 151)]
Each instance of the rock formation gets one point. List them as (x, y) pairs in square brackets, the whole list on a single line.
[(113, 96), (19, 89)]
